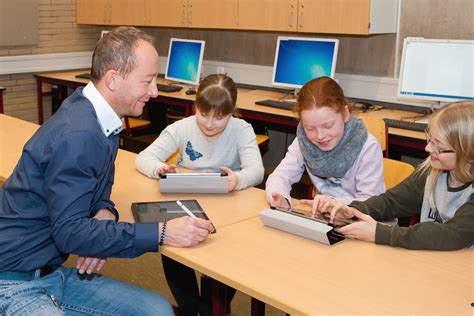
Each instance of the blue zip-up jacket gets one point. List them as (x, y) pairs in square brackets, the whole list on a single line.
[(64, 176)]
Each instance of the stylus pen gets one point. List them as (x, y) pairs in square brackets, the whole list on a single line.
[(184, 208)]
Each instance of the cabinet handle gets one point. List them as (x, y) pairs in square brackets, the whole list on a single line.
[(190, 16), (301, 20), (290, 18)]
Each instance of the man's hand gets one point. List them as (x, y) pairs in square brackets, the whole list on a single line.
[(186, 231), (166, 169), (232, 178), (89, 264)]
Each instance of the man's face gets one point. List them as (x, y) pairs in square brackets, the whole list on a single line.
[(139, 86)]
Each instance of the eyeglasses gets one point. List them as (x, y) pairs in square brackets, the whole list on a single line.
[(434, 146)]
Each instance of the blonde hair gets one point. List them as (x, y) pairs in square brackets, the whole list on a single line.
[(455, 123)]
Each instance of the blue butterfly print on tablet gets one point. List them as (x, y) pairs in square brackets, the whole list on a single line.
[(193, 155)]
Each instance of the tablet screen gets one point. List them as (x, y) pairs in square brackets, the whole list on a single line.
[(193, 174), (160, 210)]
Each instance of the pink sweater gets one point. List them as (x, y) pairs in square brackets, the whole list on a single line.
[(363, 180)]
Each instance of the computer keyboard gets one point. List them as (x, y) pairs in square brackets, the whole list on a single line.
[(413, 126), (168, 87), (277, 104), (86, 75)]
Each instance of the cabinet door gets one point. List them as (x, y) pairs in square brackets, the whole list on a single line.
[(127, 12), (268, 15), (334, 16), (91, 11), (213, 13), (170, 13)]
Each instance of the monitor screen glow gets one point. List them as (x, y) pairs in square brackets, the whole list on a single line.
[(184, 60), (298, 60), (437, 70)]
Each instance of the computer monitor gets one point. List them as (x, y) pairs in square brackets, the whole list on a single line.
[(437, 70), (298, 60), (184, 60)]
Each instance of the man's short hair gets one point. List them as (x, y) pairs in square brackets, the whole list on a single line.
[(115, 51)]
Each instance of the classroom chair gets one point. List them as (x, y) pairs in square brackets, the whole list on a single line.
[(132, 124), (262, 142), (376, 127), (395, 171), (173, 159)]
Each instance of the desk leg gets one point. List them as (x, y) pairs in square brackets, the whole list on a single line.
[(1, 101), (188, 109), (257, 307), (39, 96), (218, 298)]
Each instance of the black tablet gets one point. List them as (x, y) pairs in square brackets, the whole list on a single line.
[(160, 211)]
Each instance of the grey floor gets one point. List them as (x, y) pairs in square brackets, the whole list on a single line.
[(146, 271)]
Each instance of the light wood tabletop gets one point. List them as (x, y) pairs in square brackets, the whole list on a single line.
[(301, 276), (294, 274), (14, 133), (132, 186), (245, 102), (223, 209)]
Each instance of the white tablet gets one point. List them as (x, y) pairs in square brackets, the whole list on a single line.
[(205, 182), (301, 225)]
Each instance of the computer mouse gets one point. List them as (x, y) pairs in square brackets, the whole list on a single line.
[(190, 91)]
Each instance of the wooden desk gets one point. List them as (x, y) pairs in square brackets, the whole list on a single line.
[(301, 276), (248, 108), (397, 137), (245, 104), (405, 140), (291, 273), (222, 209), (14, 133), (64, 79), (68, 79), (130, 185), (1, 98)]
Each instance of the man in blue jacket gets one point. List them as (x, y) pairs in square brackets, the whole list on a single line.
[(57, 201)]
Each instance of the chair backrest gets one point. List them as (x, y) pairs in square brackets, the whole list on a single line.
[(132, 124), (173, 159), (395, 171), (377, 127)]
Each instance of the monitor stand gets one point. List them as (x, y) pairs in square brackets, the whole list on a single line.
[(438, 105), (295, 93)]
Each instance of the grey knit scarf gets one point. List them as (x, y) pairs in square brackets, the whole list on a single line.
[(336, 162)]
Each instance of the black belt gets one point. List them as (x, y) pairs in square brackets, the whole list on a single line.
[(27, 276)]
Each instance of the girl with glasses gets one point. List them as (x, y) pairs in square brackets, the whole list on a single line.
[(441, 190)]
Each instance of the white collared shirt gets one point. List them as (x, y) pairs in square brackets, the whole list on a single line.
[(108, 120)]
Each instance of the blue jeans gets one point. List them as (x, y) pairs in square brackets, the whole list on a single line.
[(66, 292)]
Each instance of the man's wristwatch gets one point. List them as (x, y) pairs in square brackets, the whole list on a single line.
[(114, 211)]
